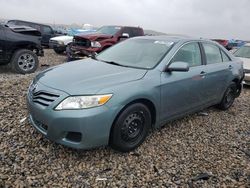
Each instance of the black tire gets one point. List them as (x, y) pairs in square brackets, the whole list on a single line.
[(130, 128), (24, 61), (229, 97), (59, 51)]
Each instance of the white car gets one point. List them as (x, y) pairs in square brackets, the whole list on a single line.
[(60, 43), (244, 54)]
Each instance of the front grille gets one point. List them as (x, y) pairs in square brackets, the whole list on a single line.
[(43, 98), (40, 125), (81, 42), (247, 71)]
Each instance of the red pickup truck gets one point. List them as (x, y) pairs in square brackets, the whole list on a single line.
[(105, 37)]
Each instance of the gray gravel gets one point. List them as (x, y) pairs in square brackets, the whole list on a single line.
[(210, 149)]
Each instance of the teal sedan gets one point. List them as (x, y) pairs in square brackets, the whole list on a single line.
[(118, 96)]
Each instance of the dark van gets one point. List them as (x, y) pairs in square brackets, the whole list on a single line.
[(46, 31)]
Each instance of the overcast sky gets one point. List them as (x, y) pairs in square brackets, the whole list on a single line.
[(202, 18)]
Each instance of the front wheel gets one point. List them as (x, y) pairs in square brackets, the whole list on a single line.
[(229, 97), (59, 51), (131, 128), (24, 61)]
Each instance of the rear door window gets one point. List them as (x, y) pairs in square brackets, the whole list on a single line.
[(212, 53), (189, 53)]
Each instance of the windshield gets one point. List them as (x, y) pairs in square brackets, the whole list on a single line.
[(243, 52), (108, 30), (137, 53)]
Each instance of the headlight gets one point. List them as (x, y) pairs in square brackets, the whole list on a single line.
[(60, 42), (96, 44), (81, 102)]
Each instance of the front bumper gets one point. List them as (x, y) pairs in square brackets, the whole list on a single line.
[(79, 53), (57, 46), (80, 129), (247, 79)]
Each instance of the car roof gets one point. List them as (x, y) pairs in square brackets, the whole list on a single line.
[(121, 26), (175, 38)]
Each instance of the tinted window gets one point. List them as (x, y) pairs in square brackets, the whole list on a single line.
[(189, 53), (136, 32), (47, 30), (212, 53), (109, 30), (225, 57)]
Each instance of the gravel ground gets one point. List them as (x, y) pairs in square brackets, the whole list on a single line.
[(202, 150)]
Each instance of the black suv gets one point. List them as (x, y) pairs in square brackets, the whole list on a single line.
[(20, 46), (46, 31)]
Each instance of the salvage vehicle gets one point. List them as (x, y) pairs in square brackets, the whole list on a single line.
[(116, 97), (19, 47), (244, 54), (60, 43), (103, 38), (46, 31)]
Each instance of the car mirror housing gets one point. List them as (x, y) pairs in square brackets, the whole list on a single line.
[(178, 67), (124, 35)]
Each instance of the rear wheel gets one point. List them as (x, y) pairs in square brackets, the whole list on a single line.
[(229, 97), (24, 61), (131, 128)]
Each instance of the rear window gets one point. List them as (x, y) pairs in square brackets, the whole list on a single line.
[(137, 32)]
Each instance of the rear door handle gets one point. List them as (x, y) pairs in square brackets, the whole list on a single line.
[(230, 67)]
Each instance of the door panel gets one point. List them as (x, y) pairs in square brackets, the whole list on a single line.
[(181, 92), (47, 33), (217, 72), (216, 77)]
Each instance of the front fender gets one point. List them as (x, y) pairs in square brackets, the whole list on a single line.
[(146, 88)]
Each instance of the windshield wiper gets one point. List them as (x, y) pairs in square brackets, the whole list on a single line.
[(113, 63)]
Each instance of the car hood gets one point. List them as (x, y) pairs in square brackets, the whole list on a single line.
[(94, 36), (246, 63), (87, 76), (62, 38)]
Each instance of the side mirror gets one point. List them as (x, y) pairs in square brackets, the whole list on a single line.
[(124, 35), (178, 67)]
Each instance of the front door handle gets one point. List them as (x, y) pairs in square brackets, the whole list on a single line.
[(202, 74), (230, 67)]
